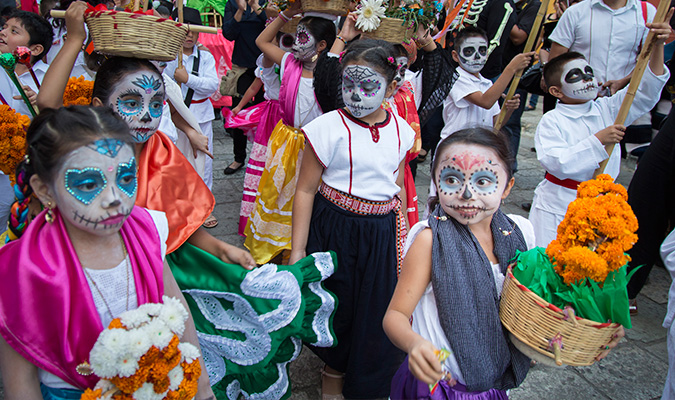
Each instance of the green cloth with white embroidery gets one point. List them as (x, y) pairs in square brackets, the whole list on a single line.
[(251, 324)]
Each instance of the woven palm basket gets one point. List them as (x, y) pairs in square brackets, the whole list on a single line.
[(291, 26), (334, 7), (392, 30), (126, 34), (534, 323)]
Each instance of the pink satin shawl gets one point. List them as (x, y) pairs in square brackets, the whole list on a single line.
[(47, 312), (288, 92)]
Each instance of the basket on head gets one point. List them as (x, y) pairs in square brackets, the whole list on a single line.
[(127, 34), (334, 7), (291, 26), (537, 324), (392, 30)]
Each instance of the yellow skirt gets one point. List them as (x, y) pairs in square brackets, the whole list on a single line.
[(268, 231)]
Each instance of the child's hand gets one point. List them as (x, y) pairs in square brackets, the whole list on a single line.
[(615, 341), (522, 61), (423, 362), (75, 21), (32, 96), (236, 110), (235, 255), (611, 135), (181, 75), (513, 104), (294, 9), (661, 30), (349, 31), (199, 143)]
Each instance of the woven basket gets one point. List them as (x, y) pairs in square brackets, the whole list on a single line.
[(291, 26), (391, 30), (127, 34), (334, 7), (534, 322)]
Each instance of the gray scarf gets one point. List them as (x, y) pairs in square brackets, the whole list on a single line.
[(468, 302)]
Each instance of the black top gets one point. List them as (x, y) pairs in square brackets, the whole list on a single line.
[(243, 33), (526, 12), (490, 19)]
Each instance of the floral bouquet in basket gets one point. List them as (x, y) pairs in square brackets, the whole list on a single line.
[(139, 356), (406, 17), (585, 267)]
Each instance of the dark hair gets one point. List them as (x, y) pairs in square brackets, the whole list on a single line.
[(375, 53), (321, 29), (50, 137), (494, 140), (468, 32), (401, 51), (114, 70), (553, 69), (39, 31)]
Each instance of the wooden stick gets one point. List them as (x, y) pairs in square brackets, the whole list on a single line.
[(180, 19), (137, 5), (636, 77), (145, 5), (193, 28), (529, 45)]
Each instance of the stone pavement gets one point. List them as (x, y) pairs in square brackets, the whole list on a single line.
[(635, 370)]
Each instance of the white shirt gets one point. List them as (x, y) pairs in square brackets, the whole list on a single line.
[(9, 90), (425, 319), (204, 84), (306, 106), (668, 256), (458, 112), (270, 79), (609, 39), (353, 161), (568, 148), (113, 284)]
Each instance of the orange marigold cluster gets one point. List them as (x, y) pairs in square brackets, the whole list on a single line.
[(598, 229), (12, 139), (78, 92)]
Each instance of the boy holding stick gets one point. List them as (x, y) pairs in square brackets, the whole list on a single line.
[(570, 140)]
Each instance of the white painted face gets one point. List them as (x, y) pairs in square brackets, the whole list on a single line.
[(473, 54), (139, 100), (470, 181), (363, 90), (304, 47), (578, 80), (95, 189), (402, 64)]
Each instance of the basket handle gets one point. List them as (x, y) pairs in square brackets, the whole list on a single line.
[(193, 28)]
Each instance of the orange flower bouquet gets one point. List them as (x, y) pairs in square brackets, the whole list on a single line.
[(78, 92), (12, 139), (580, 276), (139, 356)]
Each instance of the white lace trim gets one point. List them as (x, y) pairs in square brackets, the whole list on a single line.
[(324, 263), (267, 282), (320, 322)]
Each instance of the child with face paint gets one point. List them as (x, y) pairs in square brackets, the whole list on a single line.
[(89, 256), (452, 278), (347, 201), (570, 140), (268, 230)]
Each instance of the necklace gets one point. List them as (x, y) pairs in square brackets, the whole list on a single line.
[(128, 267)]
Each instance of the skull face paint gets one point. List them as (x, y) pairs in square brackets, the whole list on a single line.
[(363, 90), (95, 189), (470, 182), (402, 65), (139, 100), (304, 47), (473, 54), (578, 80)]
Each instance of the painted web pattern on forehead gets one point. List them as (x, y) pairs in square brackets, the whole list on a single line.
[(359, 72), (107, 147)]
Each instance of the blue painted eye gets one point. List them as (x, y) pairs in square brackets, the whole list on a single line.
[(85, 184), (156, 108), (450, 180), (126, 177), (129, 107), (484, 181)]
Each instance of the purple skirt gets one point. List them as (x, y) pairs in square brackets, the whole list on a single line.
[(406, 386)]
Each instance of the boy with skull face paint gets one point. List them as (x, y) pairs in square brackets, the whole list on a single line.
[(570, 140)]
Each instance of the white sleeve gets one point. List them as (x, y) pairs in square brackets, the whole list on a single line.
[(461, 89), (563, 33), (162, 225), (207, 82), (321, 139), (526, 228), (668, 253)]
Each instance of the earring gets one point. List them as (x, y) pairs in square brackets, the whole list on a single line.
[(315, 57), (49, 216)]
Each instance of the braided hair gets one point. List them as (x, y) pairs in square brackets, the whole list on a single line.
[(51, 136)]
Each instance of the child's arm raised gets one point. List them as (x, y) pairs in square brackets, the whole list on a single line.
[(414, 279), (56, 78), (265, 40), (250, 93), (490, 97)]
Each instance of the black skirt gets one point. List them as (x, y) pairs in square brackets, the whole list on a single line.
[(364, 283)]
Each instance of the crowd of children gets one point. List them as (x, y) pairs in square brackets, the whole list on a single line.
[(339, 259)]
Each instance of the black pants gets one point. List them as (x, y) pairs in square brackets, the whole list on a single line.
[(651, 194), (238, 136)]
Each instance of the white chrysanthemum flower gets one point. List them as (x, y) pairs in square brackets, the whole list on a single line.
[(138, 343), (159, 333), (188, 352), (152, 309), (175, 377), (104, 355), (174, 315), (127, 365), (147, 392), (369, 15), (134, 318)]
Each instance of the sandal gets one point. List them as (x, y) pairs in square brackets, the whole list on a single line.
[(421, 157), (632, 306), (211, 222), (338, 396)]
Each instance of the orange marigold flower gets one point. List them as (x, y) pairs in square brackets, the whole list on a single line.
[(92, 394), (12, 140), (78, 92)]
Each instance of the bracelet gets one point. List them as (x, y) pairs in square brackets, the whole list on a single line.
[(425, 44), (283, 17), (341, 38)]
